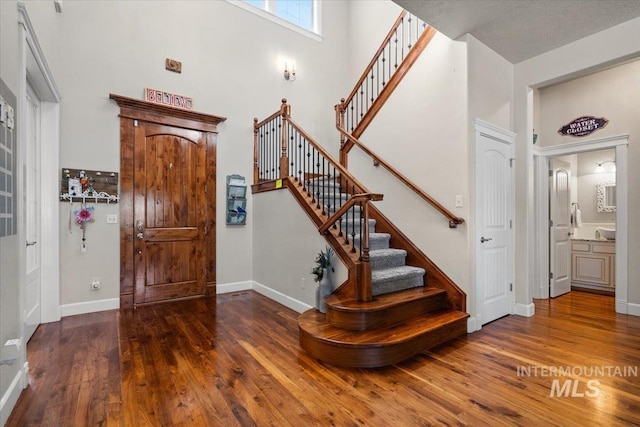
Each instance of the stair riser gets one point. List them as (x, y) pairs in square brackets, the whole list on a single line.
[(400, 284), (375, 242), (388, 261), (374, 356)]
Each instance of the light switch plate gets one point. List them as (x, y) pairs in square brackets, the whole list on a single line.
[(458, 201), (112, 219)]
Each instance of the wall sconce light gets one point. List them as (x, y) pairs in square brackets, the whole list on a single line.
[(289, 76), (600, 168)]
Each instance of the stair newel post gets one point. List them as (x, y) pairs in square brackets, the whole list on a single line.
[(284, 159), (344, 153), (364, 291), (256, 169)]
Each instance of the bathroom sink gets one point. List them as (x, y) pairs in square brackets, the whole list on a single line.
[(607, 233)]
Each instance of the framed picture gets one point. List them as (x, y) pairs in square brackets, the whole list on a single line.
[(75, 188)]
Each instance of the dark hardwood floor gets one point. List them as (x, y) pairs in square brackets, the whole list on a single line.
[(235, 360)]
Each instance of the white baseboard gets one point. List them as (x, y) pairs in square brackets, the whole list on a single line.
[(227, 288), (277, 296), (89, 307), (10, 398), (633, 309), (281, 298), (473, 324), (526, 310)]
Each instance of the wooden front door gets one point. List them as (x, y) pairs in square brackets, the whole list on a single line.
[(169, 187), (167, 202)]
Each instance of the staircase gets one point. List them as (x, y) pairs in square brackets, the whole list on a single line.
[(404, 317), (395, 302)]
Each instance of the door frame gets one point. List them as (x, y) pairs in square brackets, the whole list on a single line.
[(482, 128), (134, 110), (541, 155), (34, 65)]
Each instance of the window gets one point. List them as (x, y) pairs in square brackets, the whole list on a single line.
[(303, 14)]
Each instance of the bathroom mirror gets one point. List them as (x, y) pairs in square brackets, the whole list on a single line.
[(606, 197)]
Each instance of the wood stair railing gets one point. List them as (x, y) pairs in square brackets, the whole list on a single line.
[(400, 49), (356, 112), (358, 330), (285, 153), (454, 220)]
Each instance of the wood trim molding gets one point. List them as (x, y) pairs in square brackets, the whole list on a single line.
[(131, 110), (141, 110)]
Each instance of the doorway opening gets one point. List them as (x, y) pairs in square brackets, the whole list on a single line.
[(596, 263)]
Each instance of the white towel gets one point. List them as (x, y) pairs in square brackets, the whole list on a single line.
[(576, 218)]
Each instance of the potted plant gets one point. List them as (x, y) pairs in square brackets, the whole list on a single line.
[(320, 275)]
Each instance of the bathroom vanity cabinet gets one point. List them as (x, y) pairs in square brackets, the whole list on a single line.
[(593, 264)]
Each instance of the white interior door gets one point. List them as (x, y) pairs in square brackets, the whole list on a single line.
[(32, 206), (494, 238), (559, 228)]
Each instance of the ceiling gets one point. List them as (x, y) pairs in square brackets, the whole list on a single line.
[(521, 29)]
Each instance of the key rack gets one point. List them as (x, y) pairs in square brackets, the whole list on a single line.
[(83, 185)]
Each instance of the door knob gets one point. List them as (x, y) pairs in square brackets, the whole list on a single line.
[(482, 239), (139, 225), (140, 236)]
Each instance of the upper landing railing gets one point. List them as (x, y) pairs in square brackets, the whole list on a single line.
[(400, 49)]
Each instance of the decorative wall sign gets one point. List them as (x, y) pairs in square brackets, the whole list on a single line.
[(173, 65), (583, 126), (166, 98)]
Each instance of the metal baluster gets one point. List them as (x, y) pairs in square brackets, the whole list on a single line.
[(377, 78), (300, 177), (409, 25), (267, 157), (335, 200), (389, 65), (324, 189), (278, 149), (318, 182), (353, 223), (372, 84), (291, 153), (307, 173), (402, 44), (314, 180), (396, 48), (383, 68), (360, 232), (346, 216)]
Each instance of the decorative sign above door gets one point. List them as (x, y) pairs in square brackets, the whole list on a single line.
[(166, 98), (583, 126)]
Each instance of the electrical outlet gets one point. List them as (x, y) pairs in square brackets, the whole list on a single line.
[(112, 219), (95, 284), (458, 201)]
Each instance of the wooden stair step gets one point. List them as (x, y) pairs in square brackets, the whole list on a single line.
[(385, 310), (377, 347)]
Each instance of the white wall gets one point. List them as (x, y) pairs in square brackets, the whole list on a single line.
[(232, 63), (286, 245), (615, 45)]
